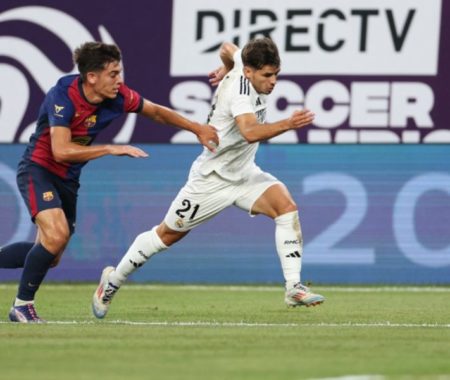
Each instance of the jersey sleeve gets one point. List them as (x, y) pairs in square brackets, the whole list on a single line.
[(240, 98), (133, 101), (59, 108), (240, 91)]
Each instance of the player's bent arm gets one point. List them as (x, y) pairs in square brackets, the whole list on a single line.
[(226, 53), (64, 150), (253, 131), (206, 134)]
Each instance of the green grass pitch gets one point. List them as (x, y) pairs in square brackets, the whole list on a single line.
[(229, 332)]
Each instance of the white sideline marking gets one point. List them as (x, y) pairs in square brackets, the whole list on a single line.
[(385, 289), (380, 377), (386, 324), (243, 288), (352, 377)]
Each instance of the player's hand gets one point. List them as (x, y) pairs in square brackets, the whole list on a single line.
[(208, 137), (127, 150), (300, 119), (217, 75)]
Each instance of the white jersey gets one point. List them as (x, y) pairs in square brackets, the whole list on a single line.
[(235, 157)]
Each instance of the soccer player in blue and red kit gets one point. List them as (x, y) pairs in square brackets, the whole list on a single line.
[(74, 111)]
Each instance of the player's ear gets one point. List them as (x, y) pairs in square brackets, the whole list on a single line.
[(248, 72), (91, 77)]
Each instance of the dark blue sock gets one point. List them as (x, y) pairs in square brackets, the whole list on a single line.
[(36, 266), (13, 255)]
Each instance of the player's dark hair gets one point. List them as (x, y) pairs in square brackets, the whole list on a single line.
[(260, 52), (94, 56)]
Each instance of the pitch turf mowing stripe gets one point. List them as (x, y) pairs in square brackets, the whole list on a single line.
[(244, 324), (387, 289), (243, 288)]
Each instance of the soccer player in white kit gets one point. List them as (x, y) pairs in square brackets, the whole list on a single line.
[(229, 176)]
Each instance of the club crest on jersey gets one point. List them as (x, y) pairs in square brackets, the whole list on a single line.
[(47, 196), (58, 109), (90, 121), (179, 223)]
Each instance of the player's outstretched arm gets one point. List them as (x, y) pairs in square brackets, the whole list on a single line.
[(206, 134), (253, 131), (64, 150)]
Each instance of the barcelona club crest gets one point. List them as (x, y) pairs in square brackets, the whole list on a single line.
[(47, 196), (90, 121)]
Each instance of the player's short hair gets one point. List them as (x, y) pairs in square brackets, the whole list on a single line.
[(260, 52), (94, 56)]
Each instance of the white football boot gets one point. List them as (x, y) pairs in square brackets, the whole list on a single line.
[(103, 294), (301, 295)]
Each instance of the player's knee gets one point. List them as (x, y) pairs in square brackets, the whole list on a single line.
[(57, 243), (169, 236), (55, 240), (290, 207), (286, 207)]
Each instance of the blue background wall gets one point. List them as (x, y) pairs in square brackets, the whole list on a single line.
[(369, 214)]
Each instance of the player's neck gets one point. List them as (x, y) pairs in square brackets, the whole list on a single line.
[(90, 94)]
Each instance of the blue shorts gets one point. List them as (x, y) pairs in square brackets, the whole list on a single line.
[(42, 190)]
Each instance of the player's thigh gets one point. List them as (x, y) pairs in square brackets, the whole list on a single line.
[(36, 185), (52, 222), (253, 194), (68, 193), (195, 204), (53, 230), (42, 190), (275, 201)]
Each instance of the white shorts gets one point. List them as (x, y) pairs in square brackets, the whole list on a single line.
[(201, 198)]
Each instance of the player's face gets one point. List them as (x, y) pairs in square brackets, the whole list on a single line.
[(264, 79), (108, 81)]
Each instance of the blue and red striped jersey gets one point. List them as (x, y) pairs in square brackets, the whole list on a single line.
[(66, 106)]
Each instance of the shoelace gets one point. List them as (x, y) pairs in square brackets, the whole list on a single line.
[(109, 293), (301, 287), (32, 312)]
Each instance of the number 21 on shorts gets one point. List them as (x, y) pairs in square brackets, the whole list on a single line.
[(188, 209)]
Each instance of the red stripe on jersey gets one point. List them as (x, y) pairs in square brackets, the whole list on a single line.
[(32, 198), (41, 156)]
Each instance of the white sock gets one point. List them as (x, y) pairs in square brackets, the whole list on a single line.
[(144, 246), (289, 243), (19, 302)]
